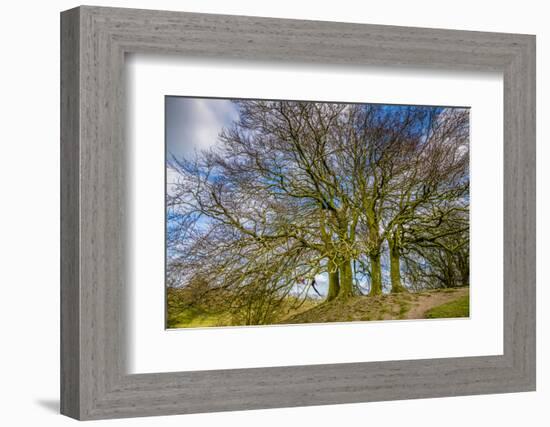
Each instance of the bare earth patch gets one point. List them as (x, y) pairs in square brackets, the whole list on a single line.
[(428, 300), (383, 307)]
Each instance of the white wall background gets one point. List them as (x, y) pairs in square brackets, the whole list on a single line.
[(29, 224)]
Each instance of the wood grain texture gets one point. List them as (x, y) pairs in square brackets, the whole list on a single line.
[(70, 297), (95, 383)]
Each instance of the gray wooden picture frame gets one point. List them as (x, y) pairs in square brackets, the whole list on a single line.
[(94, 41)]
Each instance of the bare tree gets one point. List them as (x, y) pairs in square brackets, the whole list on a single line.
[(295, 189)]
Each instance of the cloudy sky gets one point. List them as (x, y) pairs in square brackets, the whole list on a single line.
[(194, 123)]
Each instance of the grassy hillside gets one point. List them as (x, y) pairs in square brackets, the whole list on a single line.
[(442, 303), (429, 304), (459, 307)]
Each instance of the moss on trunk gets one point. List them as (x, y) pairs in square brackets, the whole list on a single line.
[(333, 285), (395, 269), (346, 279), (376, 274)]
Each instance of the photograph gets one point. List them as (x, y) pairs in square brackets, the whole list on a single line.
[(291, 212)]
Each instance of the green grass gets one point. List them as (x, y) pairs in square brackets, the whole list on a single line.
[(458, 308), (182, 314), (404, 307), (193, 318)]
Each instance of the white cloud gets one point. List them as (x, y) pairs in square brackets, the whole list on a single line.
[(172, 178), (195, 123)]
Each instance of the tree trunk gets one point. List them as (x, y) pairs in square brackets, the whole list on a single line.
[(376, 274), (464, 268), (450, 270), (395, 269), (375, 263), (346, 279), (333, 285)]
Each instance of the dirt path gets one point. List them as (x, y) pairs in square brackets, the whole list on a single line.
[(422, 302), (383, 307)]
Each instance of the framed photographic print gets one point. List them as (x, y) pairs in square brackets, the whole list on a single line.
[(262, 213)]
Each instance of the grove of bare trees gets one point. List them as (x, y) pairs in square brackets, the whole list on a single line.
[(373, 197)]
